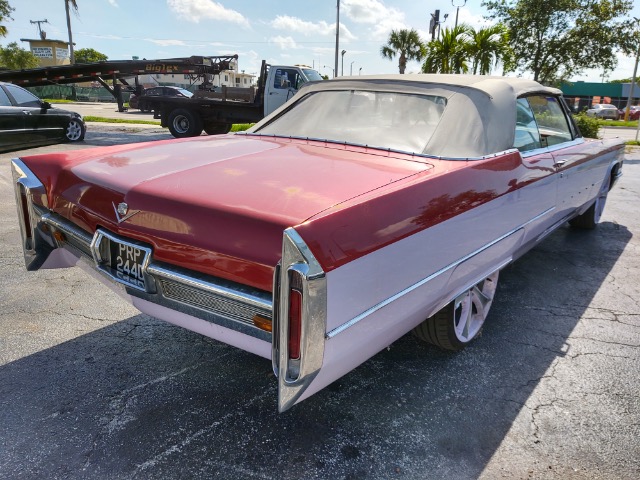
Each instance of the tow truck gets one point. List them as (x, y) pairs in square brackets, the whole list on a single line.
[(215, 111)]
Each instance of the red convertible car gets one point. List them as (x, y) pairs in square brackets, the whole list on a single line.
[(363, 209)]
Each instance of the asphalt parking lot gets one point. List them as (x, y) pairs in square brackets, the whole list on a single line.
[(91, 389)]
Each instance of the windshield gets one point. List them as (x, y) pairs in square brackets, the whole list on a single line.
[(186, 93), (395, 121), (312, 75)]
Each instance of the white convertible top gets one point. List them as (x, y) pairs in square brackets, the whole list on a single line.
[(479, 118)]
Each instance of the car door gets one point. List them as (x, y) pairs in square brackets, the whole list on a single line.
[(39, 124), (578, 173), (284, 85), (540, 161), (12, 123)]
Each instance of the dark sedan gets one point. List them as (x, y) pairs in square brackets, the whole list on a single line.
[(136, 101), (27, 121)]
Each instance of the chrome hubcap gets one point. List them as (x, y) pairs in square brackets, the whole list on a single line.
[(74, 130), (472, 307), (181, 124)]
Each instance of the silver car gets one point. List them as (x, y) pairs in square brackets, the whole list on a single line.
[(604, 110)]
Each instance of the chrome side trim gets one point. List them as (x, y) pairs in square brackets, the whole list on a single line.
[(553, 148), (294, 376), (420, 283), (381, 149)]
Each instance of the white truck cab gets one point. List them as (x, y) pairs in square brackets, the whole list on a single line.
[(283, 82)]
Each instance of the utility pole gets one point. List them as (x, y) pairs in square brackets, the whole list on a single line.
[(335, 70), (433, 24), (458, 9), (43, 35), (633, 79)]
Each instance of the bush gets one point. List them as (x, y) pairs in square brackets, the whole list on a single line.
[(588, 126)]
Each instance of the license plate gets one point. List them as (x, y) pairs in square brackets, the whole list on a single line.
[(123, 260)]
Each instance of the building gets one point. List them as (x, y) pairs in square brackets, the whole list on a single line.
[(49, 52), (228, 78), (581, 95)]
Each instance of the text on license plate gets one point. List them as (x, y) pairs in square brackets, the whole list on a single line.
[(127, 263)]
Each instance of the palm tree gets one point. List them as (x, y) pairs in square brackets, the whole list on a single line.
[(488, 47), (450, 52), (5, 14), (74, 6), (404, 43)]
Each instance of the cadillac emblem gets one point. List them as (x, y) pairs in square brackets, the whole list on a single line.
[(122, 212), (123, 208)]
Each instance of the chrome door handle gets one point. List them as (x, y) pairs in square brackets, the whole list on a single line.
[(559, 163)]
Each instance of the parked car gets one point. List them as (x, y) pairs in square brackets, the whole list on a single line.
[(634, 112), (165, 91), (604, 110), (27, 121), (363, 209)]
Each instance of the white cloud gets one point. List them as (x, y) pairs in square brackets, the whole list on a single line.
[(196, 10), (294, 24), (167, 42), (285, 43), (376, 13), (370, 11), (113, 3)]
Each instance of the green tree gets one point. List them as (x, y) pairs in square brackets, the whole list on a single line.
[(73, 5), (406, 44), (5, 14), (15, 58), (450, 52), (89, 55), (558, 39), (488, 47)]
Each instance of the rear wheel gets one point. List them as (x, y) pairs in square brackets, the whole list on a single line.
[(591, 217), (212, 128), (457, 324), (184, 123)]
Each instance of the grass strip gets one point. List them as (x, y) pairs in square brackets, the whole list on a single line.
[(90, 118), (238, 127)]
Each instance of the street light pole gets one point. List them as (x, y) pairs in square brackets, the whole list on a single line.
[(335, 70), (351, 68), (458, 9), (633, 79), (342, 72)]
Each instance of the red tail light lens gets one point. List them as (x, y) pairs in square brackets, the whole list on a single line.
[(295, 323)]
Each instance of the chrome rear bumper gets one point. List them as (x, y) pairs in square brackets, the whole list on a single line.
[(225, 303)]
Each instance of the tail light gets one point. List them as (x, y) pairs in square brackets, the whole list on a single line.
[(23, 211), (295, 323), (299, 319)]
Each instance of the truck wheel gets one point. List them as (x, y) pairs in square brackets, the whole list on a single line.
[(213, 128), (458, 323), (184, 123)]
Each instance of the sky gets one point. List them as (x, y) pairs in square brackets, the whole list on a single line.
[(284, 32)]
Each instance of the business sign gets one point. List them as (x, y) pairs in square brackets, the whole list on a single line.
[(42, 52), (62, 52)]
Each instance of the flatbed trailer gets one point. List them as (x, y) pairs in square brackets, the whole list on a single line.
[(120, 73), (213, 112)]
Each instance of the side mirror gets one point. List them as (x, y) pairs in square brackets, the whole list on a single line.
[(46, 105)]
